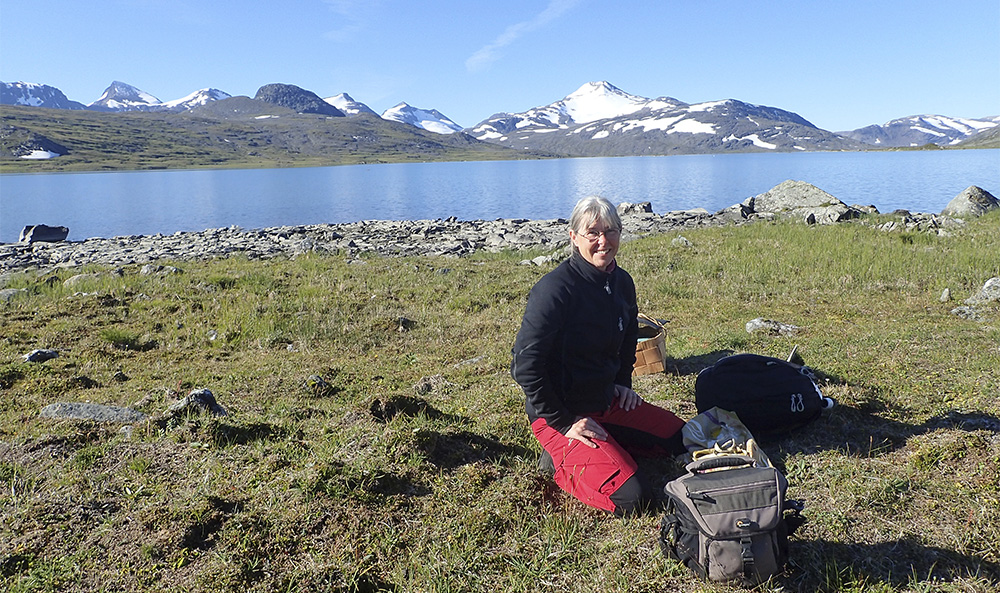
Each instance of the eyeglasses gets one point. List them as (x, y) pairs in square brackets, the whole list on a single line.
[(593, 235)]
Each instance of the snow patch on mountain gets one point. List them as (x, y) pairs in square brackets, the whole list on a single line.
[(431, 120), (599, 100), (348, 105), (755, 140), (195, 99), (37, 155)]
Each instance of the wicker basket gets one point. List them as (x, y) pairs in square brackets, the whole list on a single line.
[(650, 351)]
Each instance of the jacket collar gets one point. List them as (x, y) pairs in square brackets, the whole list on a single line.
[(589, 271)]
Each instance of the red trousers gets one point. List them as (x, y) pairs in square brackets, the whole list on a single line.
[(595, 476)]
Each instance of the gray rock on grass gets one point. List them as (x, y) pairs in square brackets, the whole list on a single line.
[(768, 326), (801, 200), (41, 355), (973, 201), (89, 411), (197, 400), (9, 294), (989, 293)]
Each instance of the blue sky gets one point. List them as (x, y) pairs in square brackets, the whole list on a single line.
[(841, 65)]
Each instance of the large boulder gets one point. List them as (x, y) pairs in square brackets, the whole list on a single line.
[(803, 201), (973, 201), (43, 232), (626, 208)]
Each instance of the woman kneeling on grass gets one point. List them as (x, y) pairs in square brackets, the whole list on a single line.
[(573, 357)]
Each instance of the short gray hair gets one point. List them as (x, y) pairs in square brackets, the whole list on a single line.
[(593, 209)]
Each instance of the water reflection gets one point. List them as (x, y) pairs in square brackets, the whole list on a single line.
[(149, 202)]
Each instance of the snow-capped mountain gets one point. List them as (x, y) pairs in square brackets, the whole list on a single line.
[(431, 120), (125, 97), (599, 119), (919, 130), (591, 102), (35, 95), (349, 106), (195, 99)]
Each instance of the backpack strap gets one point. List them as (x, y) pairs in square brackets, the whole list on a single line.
[(748, 560), (746, 552)]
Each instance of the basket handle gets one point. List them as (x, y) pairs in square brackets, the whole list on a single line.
[(642, 317)]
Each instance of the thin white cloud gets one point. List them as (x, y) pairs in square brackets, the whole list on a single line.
[(491, 52), (351, 18)]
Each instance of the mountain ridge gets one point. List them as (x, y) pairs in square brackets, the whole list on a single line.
[(920, 130), (597, 119)]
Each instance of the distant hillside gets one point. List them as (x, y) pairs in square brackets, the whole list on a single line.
[(986, 139), (235, 132), (921, 130)]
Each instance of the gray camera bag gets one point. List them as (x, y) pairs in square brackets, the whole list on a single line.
[(725, 520)]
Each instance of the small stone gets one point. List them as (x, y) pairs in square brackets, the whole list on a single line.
[(9, 294), (761, 325), (80, 279), (969, 313), (198, 398), (40, 355), (945, 295)]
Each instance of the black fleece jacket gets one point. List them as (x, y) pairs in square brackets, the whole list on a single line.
[(577, 340)]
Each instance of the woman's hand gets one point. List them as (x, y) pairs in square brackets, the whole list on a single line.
[(587, 430), (628, 400)]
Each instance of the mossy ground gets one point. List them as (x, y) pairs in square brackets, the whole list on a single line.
[(411, 467)]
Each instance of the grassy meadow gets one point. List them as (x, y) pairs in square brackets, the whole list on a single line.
[(410, 466)]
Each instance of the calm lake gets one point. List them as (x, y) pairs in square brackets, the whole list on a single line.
[(150, 202)]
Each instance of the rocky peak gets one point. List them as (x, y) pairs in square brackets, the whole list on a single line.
[(120, 96), (297, 99)]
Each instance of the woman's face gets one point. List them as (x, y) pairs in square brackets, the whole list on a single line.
[(597, 243)]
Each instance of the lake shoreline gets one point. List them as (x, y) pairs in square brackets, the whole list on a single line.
[(440, 237)]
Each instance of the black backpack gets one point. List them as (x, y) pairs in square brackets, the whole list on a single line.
[(769, 395), (725, 520)]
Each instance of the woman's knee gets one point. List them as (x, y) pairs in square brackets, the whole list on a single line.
[(631, 497)]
